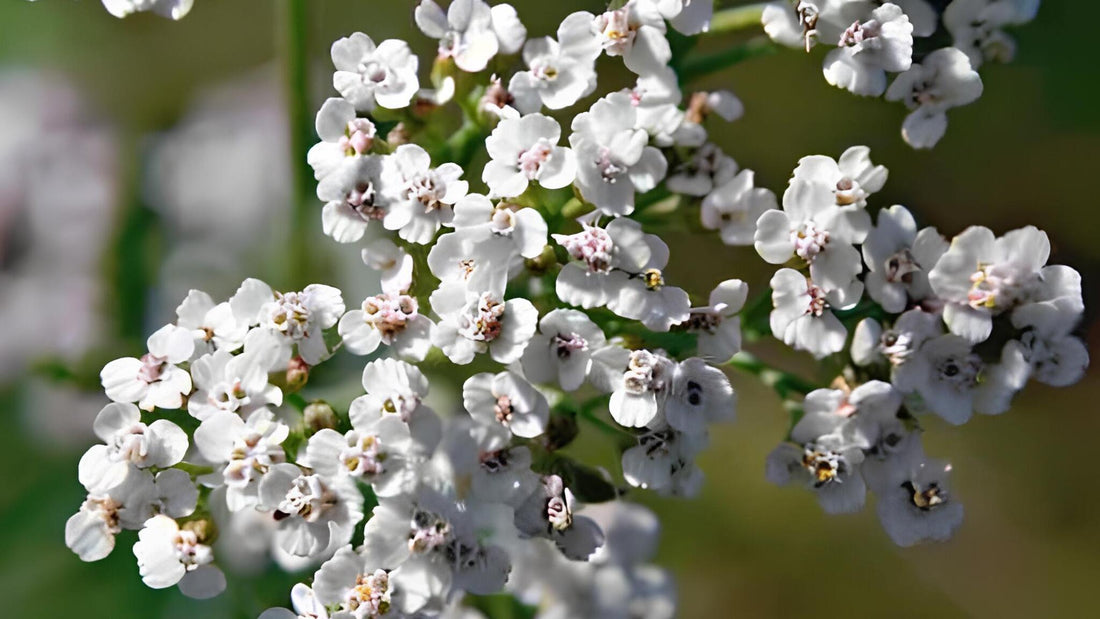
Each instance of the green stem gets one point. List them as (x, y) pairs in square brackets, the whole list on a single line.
[(293, 31), (784, 383), (736, 18), (700, 66)]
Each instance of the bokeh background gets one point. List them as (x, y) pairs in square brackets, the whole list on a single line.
[(140, 158)]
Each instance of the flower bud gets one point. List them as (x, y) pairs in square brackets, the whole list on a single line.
[(318, 416)]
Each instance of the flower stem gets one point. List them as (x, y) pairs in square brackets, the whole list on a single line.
[(700, 66), (784, 383), (292, 31), (736, 18)]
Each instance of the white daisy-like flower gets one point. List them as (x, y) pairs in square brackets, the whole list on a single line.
[(977, 27), (391, 319), (869, 49), (342, 135), (470, 31), (244, 450), (508, 400), (154, 380), (212, 325), (637, 33), (167, 553), (568, 348), (823, 461), (642, 390), (717, 324), (128, 443), (942, 80), (425, 194), (396, 388), (803, 317), (898, 259), (549, 512), (234, 384), (560, 71), (358, 191), (368, 75), (376, 453), (313, 512), (734, 207), (525, 150), (614, 160), (471, 322), (288, 319)]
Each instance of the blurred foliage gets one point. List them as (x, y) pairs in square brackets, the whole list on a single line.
[(1023, 154)]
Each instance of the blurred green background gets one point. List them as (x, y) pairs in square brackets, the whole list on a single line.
[(1026, 153)]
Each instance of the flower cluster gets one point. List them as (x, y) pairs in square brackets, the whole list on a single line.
[(540, 283), (869, 40)]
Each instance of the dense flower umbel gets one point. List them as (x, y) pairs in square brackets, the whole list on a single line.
[(532, 299)]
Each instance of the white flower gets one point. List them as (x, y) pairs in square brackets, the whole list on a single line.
[(548, 513), (898, 259), (391, 319), (640, 395), (943, 80), (526, 149), (356, 192), (286, 319), (560, 72), (976, 27), (154, 380), (313, 513), (472, 323), (734, 207), (166, 553), (506, 399), (234, 384), (717, 324), (952, 381), (915, 502), (700, 394), (245, 451), (482, 457), (853, 178), (90, 532), (471, 32), (707, 169), (659, 457), (827, 463), (342, 135), (397, 388), (869, 49), (368, 75), (613, 159), (173, 9), (212, 326), (604, 256), (351, 582), (394, 264), (425, 195), (637, 33), (564, 350), (522, 230), (129, 443), (374, 453), (1057, 359), (813, 228), (981, 276), (803, 317), (484, 257)]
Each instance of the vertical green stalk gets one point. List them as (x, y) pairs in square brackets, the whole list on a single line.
[(292, 32)]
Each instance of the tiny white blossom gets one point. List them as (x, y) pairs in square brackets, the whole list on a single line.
[(976, 26), (942, 80), (614, 161), (717, 324), (549, 512), (234, 384), (288, 319), (898, 259), (567, 349), (166, 552), (313, 513), (506, 399), (356, 192), (560, 71), (397, 388), (425, 194), (368, 74), (375, 453), (212, 326), (803, 317), (154, 380), (868, 50), (734, 207), (129, 443), (637, 33), (526, 149), (342, 135), (394, 264), (640, 395), (470, 31), (391, 319), (472, 323), (245, 451)]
